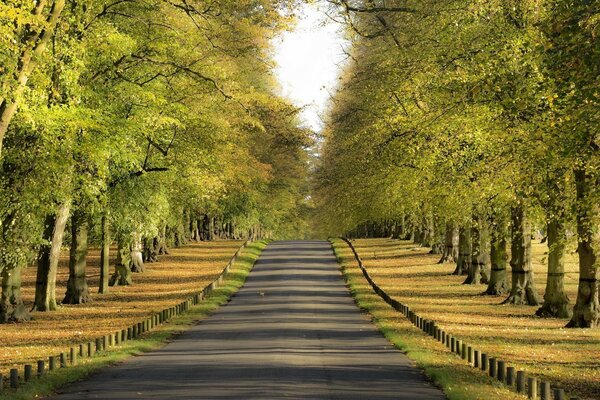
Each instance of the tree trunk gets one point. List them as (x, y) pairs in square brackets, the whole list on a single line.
[(104, 257), (586, 313), (47, 263), (150, 249), (12, 308), (556, 302), (523, 289), (122, 274), (77, 288), (498, 283), (450, 253), (137, 259), (464, 252), (474, 273), (161, 246), (36, 45)]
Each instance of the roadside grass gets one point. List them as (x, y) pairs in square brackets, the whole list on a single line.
[(165, 283), (161, 335), (568, 358)]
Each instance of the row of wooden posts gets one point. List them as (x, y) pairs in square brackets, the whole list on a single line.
[(103, 343), (496, 368)]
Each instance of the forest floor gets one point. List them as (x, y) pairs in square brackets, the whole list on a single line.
[(164, 284), (568, 358)]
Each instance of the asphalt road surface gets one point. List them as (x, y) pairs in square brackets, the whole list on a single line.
[(292, 332)]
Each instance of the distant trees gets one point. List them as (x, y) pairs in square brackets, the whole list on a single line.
[(477, 115), (142, 123)]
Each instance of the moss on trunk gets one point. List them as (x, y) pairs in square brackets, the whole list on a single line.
[(77, 287), (12, 308), (556, 302), (523, 289)]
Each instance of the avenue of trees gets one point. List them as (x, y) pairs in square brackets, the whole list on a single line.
[(467, 126), (139, 123)]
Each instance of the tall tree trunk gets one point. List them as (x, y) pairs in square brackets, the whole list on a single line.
[(104, 256), (77, 288), (12, 308), (523, 289), (498, 283), (556, 302), (47, 263), (450, 253), (586, 313), (161, 246), (137, 259), (36, 43), (478, 255), (122, 274), (464, 252)]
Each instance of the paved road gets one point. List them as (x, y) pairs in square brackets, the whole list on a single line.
[(292, 332)]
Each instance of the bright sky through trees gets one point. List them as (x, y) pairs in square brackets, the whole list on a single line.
[(309, 59)]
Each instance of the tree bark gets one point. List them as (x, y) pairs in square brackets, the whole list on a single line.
[(104, 257), (523, 289), (161, 246), (556, 302), (122, 274), (476, 271), (586, 313), (77, 288), (498, 284), (36, 43), (47, 263), (464, 252), (450, 253), (137, 259), (12, 308)]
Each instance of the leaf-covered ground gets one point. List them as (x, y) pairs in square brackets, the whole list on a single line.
[(569, 358), (164, 284)]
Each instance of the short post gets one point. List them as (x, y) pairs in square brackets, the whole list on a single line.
[(493, 367), (41, 367), (14, 378), (104, 342), (463, 351), (559, 394), (129, 333), (484, 361), (458, 348), (510, 376), (118, 338), (470, 355), (501, 371), (123, 335), (532, 388), (27, 372), (476, 359), (443, 336), (90, 349), (51, 363), (73, 356), (111, 340), (98, 344), (545, 390), (452, 344), (81, 351), (63, 360)]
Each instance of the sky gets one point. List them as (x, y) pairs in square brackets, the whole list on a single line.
[(308, 60)]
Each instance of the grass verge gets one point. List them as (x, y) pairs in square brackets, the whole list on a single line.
[(160, 336), (450, 373)]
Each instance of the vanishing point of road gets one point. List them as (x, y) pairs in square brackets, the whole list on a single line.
[(292, 332)]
